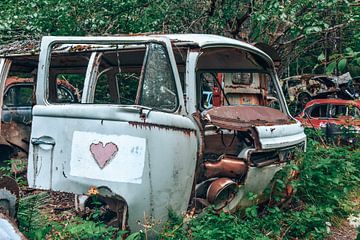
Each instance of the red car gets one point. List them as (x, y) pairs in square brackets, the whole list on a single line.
[(320, 112)]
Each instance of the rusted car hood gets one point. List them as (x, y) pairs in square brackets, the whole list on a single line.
[(244, 116), (274, 128)]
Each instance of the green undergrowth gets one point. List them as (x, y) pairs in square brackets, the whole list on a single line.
[(35, 224), (329, 177)]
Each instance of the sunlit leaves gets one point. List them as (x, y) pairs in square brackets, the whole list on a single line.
[(342, 64)]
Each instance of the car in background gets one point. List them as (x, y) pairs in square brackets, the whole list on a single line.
[(335, 116), (16, 113), (19, 94), (304, 88)]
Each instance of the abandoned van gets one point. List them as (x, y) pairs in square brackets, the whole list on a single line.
[(146, 137)]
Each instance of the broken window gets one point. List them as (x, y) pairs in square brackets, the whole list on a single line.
[(19, 96), (126, 74), (231, 76), (66, 76), (337, 111), (158, 89), (319, 111)]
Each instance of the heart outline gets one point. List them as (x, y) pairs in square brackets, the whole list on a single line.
[(103, 154)]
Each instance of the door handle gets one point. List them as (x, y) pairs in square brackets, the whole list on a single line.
[(46, 140)]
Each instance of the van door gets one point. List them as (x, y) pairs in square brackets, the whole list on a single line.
[(138, 144)]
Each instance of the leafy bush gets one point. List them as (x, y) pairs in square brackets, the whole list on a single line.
[(327, 176)]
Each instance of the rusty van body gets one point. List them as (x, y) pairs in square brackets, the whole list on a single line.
[(143, 137)]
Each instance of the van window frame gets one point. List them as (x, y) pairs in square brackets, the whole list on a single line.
[(50, 46)]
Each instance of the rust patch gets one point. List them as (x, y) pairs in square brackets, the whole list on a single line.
[(15, 80), (80, 48), (150, 126), (221, 191), (16, 134), (240, 117), (227, 166)]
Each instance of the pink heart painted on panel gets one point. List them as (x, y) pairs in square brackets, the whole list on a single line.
[(103, 154)]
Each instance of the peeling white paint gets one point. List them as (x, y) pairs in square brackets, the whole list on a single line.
[(126, 165)]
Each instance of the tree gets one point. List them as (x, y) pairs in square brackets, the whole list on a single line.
[(301, 30)]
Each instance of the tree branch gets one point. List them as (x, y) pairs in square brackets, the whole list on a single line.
[(298, 38)]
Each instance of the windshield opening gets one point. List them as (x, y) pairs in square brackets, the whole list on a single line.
[(230, 76)]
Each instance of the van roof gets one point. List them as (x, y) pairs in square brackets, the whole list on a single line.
[(32, 47)]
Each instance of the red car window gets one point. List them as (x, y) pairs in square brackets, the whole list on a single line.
[(318, 111)]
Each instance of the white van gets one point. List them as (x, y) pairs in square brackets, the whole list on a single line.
[(142, 139)]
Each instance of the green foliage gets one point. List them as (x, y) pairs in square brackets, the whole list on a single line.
[(301, 30), (78, 228), (326, 178), (35, 224), (31, 222), (342, 62), (10, 168)]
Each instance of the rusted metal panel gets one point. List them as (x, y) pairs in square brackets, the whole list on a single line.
[(226, 166), (147, 125), (238, 117), (17, 134)]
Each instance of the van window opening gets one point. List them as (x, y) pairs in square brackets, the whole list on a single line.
[(232, 76), (125, 74)]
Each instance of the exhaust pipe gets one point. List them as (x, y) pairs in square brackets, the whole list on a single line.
[(221, 192), (226, 166)]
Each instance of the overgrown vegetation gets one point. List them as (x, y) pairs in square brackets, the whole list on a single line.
[(328, 178), (36, 224), (306, 33)]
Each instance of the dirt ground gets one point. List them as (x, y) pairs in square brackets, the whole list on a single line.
[(343, 232)]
